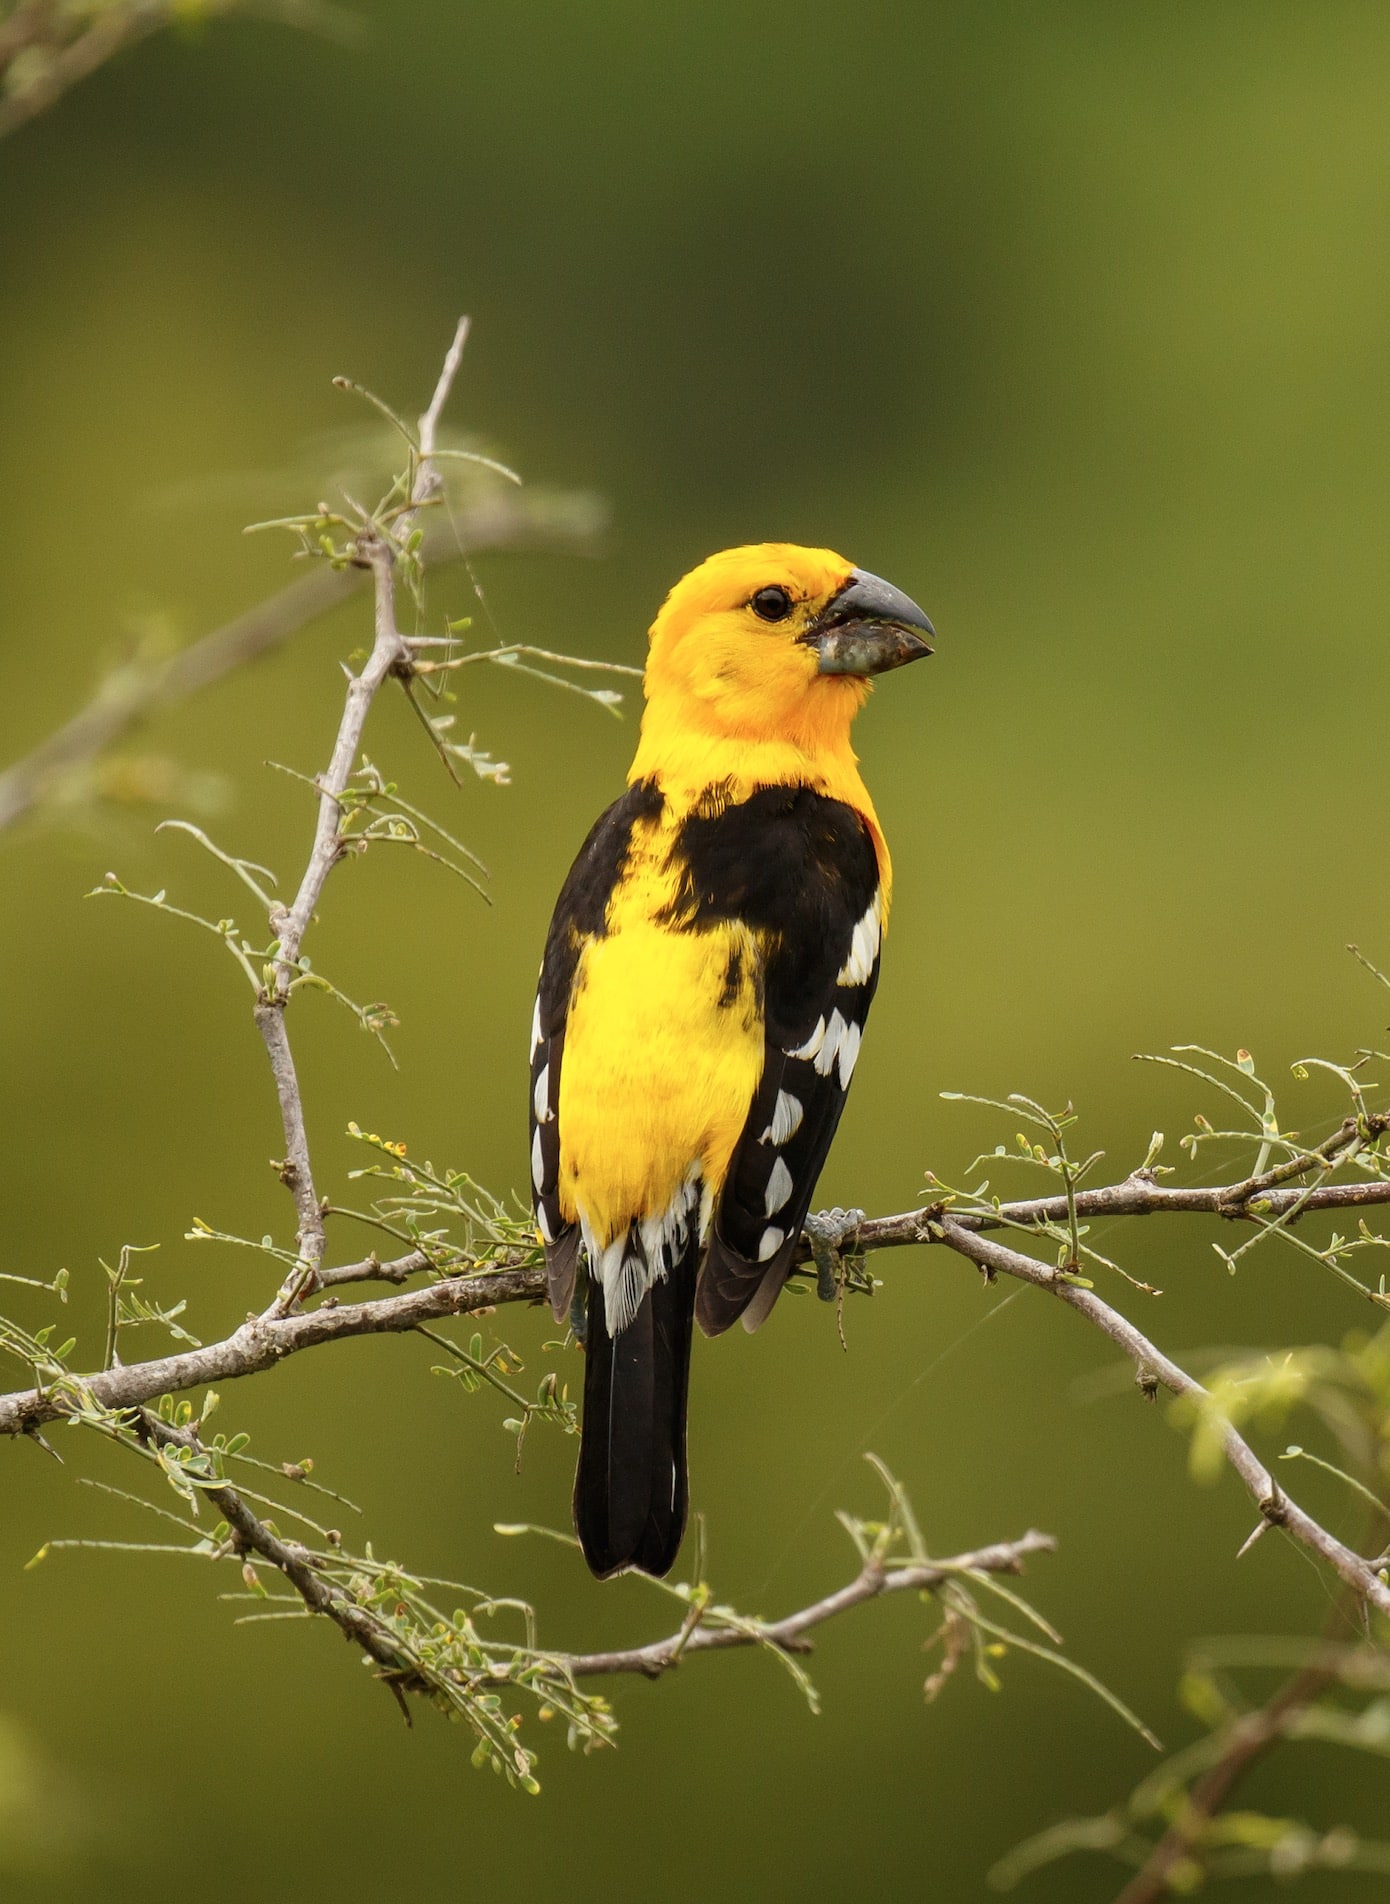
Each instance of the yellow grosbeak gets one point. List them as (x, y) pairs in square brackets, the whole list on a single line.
[(706, 979)]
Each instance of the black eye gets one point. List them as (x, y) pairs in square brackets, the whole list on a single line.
[(772, 604)]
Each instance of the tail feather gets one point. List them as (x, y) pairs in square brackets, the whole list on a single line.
[(630, 1492)]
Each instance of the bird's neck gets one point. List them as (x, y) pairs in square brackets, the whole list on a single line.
[(685, 760)]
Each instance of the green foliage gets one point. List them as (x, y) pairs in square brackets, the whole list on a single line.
[(443, 1213), (1341, 1697), (1052, 1158), (896, 1543), (1178, 1816), (445, 1650)]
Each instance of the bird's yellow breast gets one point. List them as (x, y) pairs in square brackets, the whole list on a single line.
[(663, 1048)]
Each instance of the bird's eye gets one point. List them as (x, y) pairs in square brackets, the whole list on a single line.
[(771, 604)]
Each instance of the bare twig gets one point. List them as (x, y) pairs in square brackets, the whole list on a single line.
[(1275, 1505), (372, 1270), (250, 1535), (789, 1633), (305, 1572), (376, 550), (137, 691), (264, 1341)]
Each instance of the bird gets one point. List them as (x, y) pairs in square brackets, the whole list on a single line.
[(705, 982)]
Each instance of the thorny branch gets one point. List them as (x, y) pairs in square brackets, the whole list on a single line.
[(141, 689), (789, 1634), (264, 1341), (376, 550), (304, 1569), (1154, 1368)]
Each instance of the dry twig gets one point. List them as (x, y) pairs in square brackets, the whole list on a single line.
[(264, 1341), (135, 693), (376, 550), (789, 1633)]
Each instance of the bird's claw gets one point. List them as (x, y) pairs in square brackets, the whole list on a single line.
[(827, 1231)]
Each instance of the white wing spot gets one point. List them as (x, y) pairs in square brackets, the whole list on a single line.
[(786, 1119), (537, 1163), (858, 967), (541, 1097), (543, 1224), (813, 1044), (536, 1027), (849, 1055), (779, 1188), (825, 1056), (773, 1239)]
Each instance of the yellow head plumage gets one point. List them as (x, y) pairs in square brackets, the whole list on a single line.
[(757, 664)]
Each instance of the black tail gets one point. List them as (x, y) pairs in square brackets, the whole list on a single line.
[(630, 1491)]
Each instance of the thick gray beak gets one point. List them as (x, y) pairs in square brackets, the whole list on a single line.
[(868, 628)]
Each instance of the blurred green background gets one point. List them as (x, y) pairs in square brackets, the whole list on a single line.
[(1074, 322)]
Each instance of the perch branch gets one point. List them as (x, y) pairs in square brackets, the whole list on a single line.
[(1141, 1194), (264, 1341)]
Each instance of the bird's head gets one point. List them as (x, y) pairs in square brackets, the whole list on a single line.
[(774, 640)]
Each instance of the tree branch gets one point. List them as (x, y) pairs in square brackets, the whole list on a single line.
[(789, 1634), (304, 1570), (62, 49), (1140, 1194), (1251, 1736), (36, 28), (1153, 1366), (376, 550), (137, 691), (251, 1535), (264, 1341)]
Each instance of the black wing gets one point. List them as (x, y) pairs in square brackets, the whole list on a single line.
[(580, 914), (800, 870)]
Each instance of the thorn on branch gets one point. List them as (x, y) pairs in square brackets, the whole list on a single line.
[(1274, 1506), (32, 1433), (1260, 1527), (392, 1681)]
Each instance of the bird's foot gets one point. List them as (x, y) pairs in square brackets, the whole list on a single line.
[(827, 1231)]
